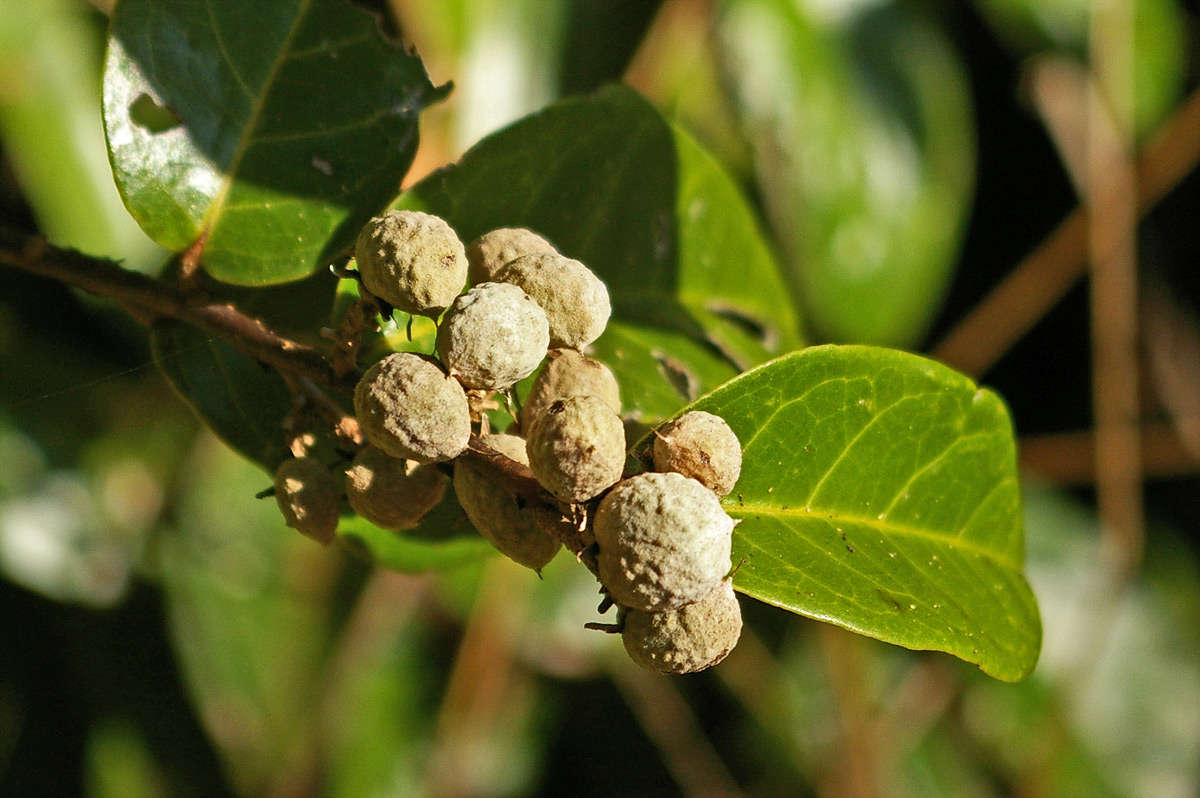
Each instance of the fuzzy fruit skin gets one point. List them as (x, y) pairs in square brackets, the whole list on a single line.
[(486, 254), (701, 446), (497, 515), (492, 336), (392, 493), (688, 639), (577, 448), (412, 260), (664, 541), (410, 408), (569, 373), (308, 496), (575, 300)]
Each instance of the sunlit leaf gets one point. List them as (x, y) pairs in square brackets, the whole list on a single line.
[(272, 130), (879, 492)]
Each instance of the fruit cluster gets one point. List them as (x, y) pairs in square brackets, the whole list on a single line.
[(659, 542)]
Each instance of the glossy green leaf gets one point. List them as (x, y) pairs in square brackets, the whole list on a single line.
[(1160, 45), (879, 493), (242, 401), (614, 185), (860, 119), (294, 122)]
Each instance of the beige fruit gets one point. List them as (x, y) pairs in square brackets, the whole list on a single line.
[(390, 492), (498, 516), (688, 639), (408, 407), (664, 541), (308, 497), (492, 336), (700, 445), (575, 300), (486, 254), (412, 260), (576, 448), (569, 373)]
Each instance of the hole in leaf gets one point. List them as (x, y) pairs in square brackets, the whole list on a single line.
[(148, 114), (764, 333), (681, 379)]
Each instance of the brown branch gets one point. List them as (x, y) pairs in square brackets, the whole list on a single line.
[(147, 299), (1046, 274)]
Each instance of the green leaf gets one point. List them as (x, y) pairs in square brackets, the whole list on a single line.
[(240, 399), (879, 493), (862, 130), (612, 184), (294, 122)]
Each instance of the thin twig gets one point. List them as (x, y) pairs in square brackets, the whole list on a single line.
[(148, 298), (1069, 458), (1046, 274)]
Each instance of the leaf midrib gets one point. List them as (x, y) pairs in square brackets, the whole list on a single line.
[(744, 510), (230, 174)]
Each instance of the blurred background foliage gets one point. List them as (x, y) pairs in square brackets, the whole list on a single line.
[(165, 634)]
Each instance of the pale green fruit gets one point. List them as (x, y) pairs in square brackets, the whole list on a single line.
[(576, 448), (411, 260), (664, 541), (498, 516), (486, 254), (688, 639), (410, 408), (308, 496), (575, 300), (492, 336), (701, 446), (390, 492)]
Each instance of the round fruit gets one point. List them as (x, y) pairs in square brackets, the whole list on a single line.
[(569, 373), (392, 493), (492, 336), (575, 301), (576, 448), (486, 254), (664, 541), (411, 260), (498, 516), (701, 446), (410, 408), (688, 639), (308, 497)]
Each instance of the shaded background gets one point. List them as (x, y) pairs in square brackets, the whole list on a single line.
[(165, 634)]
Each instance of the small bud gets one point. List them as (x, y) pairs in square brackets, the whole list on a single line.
[(308, 497), (410, 408), (688, 639)]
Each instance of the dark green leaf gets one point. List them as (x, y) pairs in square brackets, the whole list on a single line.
[(612, 184), (243, 401), (297, 122), (879, 492), (861, 124)]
